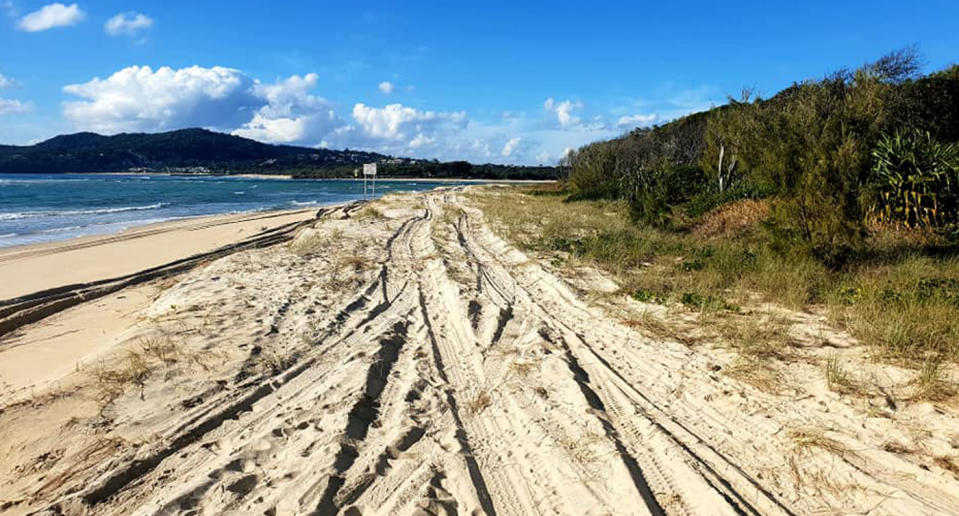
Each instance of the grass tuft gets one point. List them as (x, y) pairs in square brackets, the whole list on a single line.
[(931, 382), (805, 439), (479, 403), (901, 297), (132, 370), (837, 378)]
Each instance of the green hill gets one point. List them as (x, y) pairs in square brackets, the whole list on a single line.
[(186, 149)]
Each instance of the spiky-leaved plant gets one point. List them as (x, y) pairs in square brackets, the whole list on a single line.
[(915, 180)]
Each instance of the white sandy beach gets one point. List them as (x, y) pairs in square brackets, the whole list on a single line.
[(29, 268), (403, 358)]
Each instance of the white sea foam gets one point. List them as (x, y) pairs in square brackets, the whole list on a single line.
[(73, 213)]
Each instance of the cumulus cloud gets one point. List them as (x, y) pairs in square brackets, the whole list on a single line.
[(398, 122), (50, 16), (291, 113), (562, 112), (286, 96), (386, 87), (421, 140), (289, 110), (637, 120), (510, 146), (137, 98), (4, 81), (127, 24), (402, 130), (13, 107), (281, 130)]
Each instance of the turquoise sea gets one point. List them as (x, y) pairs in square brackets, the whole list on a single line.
[(46, 207)]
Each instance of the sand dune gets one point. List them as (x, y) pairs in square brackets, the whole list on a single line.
[(402, 358)]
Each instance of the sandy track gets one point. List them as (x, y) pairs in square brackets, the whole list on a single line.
[(461, 377)]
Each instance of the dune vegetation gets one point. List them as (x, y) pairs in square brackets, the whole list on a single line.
[(837, 196)]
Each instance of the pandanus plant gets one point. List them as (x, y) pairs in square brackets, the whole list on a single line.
[(915, 180)]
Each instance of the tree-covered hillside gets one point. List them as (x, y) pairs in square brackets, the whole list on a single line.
[(185, 149), (202, 151)]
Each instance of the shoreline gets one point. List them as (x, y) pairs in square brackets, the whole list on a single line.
[(29, 268), (287, 176), (135, 225), (433, 180), (145, 224)]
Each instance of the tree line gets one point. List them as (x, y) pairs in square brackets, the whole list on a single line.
[(833, 156), (407, 168)]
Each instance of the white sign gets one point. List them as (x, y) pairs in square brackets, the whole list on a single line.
[(369, 169)]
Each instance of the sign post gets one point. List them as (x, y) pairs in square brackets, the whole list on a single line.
[(369, 170)]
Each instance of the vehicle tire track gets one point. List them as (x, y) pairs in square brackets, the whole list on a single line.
[(473, 236)]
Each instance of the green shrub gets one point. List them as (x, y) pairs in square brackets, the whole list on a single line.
[(706, 303), (647, 296), (915, 180), (816, 149), (710, 198), (592, 173)]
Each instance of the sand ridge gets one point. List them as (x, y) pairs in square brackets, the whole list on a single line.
[(404, 359)]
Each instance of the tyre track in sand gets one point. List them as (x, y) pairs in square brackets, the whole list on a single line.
[(690, 445), (462, 378), (679, 473)]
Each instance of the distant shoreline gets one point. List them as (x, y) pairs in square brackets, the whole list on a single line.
[(31, 267), (290, 177), (19, 226), (433, 180)]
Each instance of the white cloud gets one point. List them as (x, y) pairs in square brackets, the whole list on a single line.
[(138, 98), (480, 147), (510, 146), (13, 107), (278, 130), (127, 23), (401, 130), (563, 111), (291, 113), (286, 96), (637, 120), (397, 122), (386, 87), (421, 140), (50, 16), (290, 110)]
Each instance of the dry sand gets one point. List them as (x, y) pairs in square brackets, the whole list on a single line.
[(29, 268), (404, 359), (29, 361)]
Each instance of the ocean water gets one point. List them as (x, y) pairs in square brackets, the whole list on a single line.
[(46, 207)]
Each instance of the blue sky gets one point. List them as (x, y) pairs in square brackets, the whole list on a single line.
[(511, 82)]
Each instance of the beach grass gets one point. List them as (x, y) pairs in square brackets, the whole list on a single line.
[(903, 302)]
